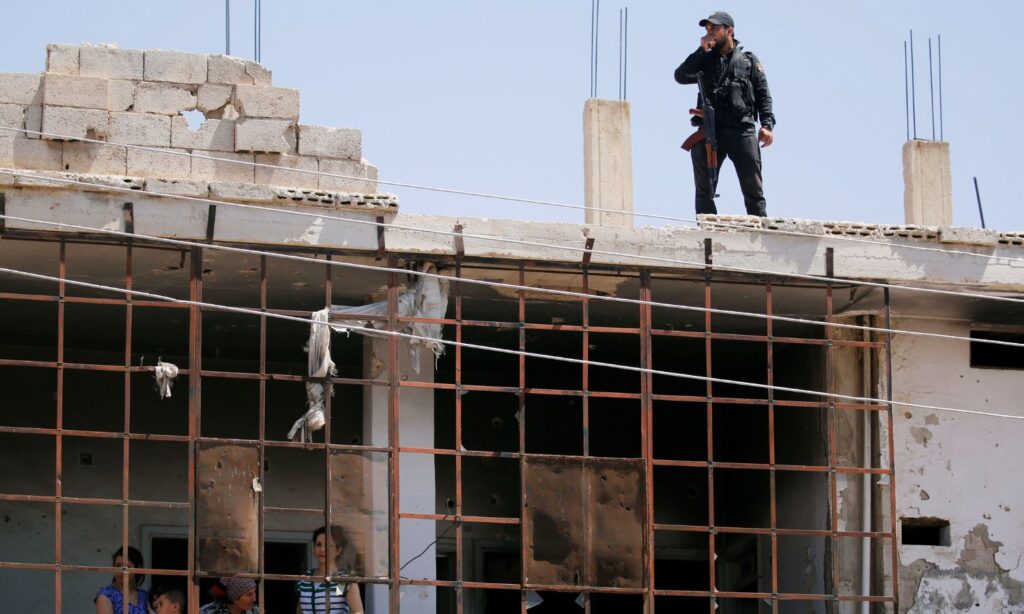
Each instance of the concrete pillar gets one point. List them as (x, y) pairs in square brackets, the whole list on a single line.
[(607, 162), (416, 480), (927, 183)]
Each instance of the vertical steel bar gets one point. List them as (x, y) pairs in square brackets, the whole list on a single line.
[(588, 540), (459, 555), (195, 344), (521, 294), (773, 510), (125, 441), (59, 443), (393, 431), (913, 86), (892, 452), (260, 521), (709, 413), (832, 428), (941, 136), (328, 292), (647, 434)]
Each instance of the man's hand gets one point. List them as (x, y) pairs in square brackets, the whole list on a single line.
[(765, 137), (707, 42), (698, 112)]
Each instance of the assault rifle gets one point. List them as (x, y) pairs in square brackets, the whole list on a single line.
[(706, 132)]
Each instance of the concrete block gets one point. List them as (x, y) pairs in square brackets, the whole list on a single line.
[(267, 102), (213, 96), (20, 88), (34, 121), (110, 63), (140, 129), (33, 154), (231, 70), (65, 123), (178, 187), (607, 163), (174, 67), (120, 95), (76, 92), (281, 177), (62, 59), (970, 236), (12, 116), (164, 98), (212, 135), (241, 191), (95, 158), (359, 177), (265, 135), (219, 166), (172, 164), (323, 142), (927, 183)]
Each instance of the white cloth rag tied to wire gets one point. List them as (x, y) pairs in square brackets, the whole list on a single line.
[(320, 365), (165, 372)]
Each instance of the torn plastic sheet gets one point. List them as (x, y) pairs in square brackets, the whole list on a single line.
[(426, 298)]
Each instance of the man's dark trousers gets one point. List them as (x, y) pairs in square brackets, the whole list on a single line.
[(739, 144)]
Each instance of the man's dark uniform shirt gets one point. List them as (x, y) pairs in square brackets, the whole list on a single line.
[(739, 93)]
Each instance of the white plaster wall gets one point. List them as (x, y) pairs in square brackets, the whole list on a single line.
[(959, 467)]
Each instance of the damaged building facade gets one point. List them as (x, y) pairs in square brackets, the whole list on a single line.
[(499, 416)]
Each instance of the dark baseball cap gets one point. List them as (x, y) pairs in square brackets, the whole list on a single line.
[(719, 18)]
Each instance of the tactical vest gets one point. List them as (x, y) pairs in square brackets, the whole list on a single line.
[(735, 91)]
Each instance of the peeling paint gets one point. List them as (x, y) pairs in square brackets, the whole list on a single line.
[(921, 435)]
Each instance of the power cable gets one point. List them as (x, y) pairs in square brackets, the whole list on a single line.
[(529, 201), (581, 250), (510, 286), (487, 348)]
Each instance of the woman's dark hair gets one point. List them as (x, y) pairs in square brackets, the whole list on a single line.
[(136, 558), (338, 537)]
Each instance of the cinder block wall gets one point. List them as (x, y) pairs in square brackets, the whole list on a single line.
[(140, 98)]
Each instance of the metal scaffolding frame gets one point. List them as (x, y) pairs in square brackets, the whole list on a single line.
[(646, 590)]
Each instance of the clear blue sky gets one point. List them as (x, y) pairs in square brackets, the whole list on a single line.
[(488, 96)]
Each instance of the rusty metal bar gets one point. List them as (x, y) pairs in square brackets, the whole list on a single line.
[(211, 223), (830, 373), (589, 247), (521, 400), (261, 514), (892, 451), (3, 212), (328, 299), (588, 539), (129, 219), (381, 247), (59, 439), (93, 501), (280, 377), (773, 504), (195, 344), (126, 443), (459, 593), (691, 528), (709, 412), (393, 441), (647, 435), (459, 518)]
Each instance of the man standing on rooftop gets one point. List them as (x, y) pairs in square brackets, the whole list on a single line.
[(737, 88)]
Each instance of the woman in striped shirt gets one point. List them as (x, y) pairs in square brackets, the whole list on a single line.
[(314, 595)]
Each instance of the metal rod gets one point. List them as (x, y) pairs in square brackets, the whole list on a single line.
[(126, 443), (625, 53), (906, 88), (833, 454), (227, 27), (459, 534), (255, 30), (710, 418), (620, 54), (913, 86), (977, 194), (892, 454), (931, 85), (941, 135), (59, 439), (261, 471), (521, 400), (772, 476), (597, 42), (393, 440), (593, 16)]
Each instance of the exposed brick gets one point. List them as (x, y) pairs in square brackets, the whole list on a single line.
[(77, 92), (149, 163), (227, 69), (110, 63), (178, 187), (140, 129), (280, 177), (95, 158), (11, 116), (67, 123), (174, 67), (267, 102), (240, 191), (213, 96), (34, 120), (62, 59), (265, 135), (212, 135), (120, 95), (363, 176), (323, 142), (217, 166), (19, 152), (164, 98), (19, 88)]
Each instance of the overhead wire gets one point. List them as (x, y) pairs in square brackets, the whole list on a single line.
[(511, 286), (511, 241), (522, 353), (529, 201)]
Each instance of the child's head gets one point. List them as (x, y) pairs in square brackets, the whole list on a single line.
[(170, 601)]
